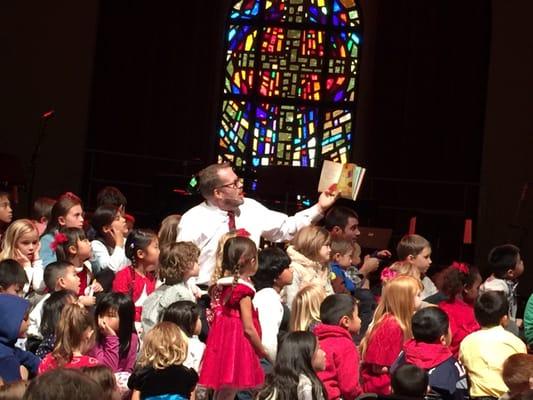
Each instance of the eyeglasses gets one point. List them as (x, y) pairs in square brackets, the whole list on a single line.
[(236, 184)]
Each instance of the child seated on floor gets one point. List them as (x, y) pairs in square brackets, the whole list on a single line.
[(340, 321), (409, 381), (429, 350), (483, 352), (518, 375)]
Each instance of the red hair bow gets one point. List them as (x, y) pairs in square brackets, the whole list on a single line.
[(59, 238), (242, 233), (387, 274), (462, 267)]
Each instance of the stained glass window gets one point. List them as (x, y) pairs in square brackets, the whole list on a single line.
[(290, 82)]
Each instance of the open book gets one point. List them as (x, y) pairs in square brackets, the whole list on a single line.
[(345, 178)]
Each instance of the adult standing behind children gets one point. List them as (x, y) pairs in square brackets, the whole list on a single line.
[(225, 208)]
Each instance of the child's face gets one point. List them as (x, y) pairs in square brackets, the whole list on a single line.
[(70, 280), (73, 219), (285, 278), (112, 319), (518, 270), (28, 244), (84, 249), (6, 212), (471, 293), (151, 255), (422, 260), (194, 271), (24, 326), (198, 327), (319, 359), (417, 301), (324, 252), (344, 260), (119, 224), (354, 323)]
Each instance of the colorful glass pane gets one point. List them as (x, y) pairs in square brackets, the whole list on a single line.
[(345, 13), (290, 82), (336, 135), (240, 59), (291, 63), (234, 132), (342, 66), (284, 135), (245, 9), (298, 11)]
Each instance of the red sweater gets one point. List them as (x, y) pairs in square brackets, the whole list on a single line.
[(130, 282), (341, 376), (384, 346), (462, 321)]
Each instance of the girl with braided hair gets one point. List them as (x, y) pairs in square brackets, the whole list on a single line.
[(231, 358)]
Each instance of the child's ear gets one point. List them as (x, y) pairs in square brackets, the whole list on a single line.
[(504, 321), (445, 339), (72, 250), (140, 254), (531, 382), (60, 282), (106, 228), (61, 220), (344, 322), (510, 273), (43, 220), (336, 256)]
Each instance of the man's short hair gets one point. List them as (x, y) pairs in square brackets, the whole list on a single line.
[(503, 258), (338, 216), (429, 324), (209, 180), (409, 381), (490, 308)]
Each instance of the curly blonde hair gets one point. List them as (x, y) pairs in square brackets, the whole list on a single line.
[(306, 307), (163, 346), (175, 260)]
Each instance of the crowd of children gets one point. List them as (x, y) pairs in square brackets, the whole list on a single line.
[(99, 310)]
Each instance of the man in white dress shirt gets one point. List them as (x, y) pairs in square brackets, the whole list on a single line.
[(225, 208)]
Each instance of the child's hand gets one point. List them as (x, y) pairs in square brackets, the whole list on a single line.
[(118, 236), (21, 258), (384, 254), (87, 301), (97, 288), (105, 328), (370, 264)]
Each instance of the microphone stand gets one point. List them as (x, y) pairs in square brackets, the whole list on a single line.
[(47, 116)]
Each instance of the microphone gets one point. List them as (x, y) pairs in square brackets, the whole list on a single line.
[(49, 114)]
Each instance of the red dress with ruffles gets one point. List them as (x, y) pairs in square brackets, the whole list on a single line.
[(384, 346), (230, 360)]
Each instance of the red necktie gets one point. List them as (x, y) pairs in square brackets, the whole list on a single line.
[(231, 220)]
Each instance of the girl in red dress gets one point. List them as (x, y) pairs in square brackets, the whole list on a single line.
[(389, 329), (461, 287), (74, 338), (231, 357)]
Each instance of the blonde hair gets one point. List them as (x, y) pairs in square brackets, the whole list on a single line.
[(306, 307), (13, 234), (397, 300), (218, 272), (175, 260), (403, 268), (309, 240), (164, 345), (70, 332), (169, 229)]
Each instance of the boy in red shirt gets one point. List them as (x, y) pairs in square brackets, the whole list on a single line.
[(340, 321)]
